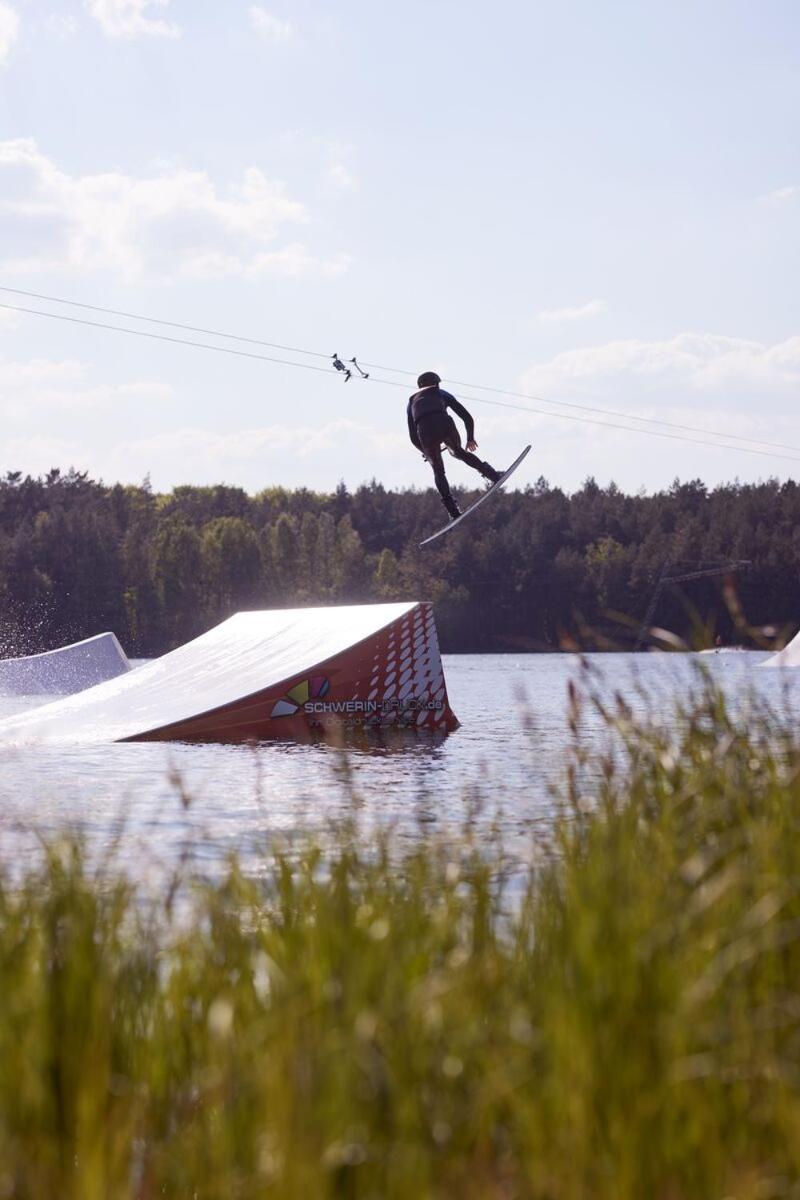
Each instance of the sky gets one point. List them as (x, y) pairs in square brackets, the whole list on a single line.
[(592, 203)]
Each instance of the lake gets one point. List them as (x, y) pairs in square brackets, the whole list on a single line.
[(239, 793)]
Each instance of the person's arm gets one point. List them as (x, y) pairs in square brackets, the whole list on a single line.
[(412, 429), (466, 416)]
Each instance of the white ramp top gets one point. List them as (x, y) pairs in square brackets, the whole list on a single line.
[(244, 655), (789, 656), (66, 670)]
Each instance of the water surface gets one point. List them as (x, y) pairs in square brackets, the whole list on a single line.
[(239, 794)]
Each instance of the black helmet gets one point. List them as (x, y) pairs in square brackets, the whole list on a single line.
[(428, 379)]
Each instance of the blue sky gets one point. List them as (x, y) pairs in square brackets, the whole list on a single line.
[(594, 203)]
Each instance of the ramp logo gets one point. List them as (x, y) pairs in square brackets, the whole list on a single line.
[(298, 696), (309, 697)]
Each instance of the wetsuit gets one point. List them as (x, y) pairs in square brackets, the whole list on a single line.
[(430, 425)]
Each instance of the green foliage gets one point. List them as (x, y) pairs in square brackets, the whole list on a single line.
[(387, 575), (371, 1017), (231, 564), (176, 573), (608, 568), (533, 570)]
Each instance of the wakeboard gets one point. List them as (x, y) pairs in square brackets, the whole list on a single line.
[(476, 503)]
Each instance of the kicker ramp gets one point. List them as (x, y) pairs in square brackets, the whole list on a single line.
[(789, 656), (66, 670), (280, 673)]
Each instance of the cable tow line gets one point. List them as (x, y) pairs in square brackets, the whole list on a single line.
[(709, 437)]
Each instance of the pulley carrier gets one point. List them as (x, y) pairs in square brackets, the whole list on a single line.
[(348, 374)]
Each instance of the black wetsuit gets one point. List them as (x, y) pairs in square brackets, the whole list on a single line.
[(430, 425), (430, 406)]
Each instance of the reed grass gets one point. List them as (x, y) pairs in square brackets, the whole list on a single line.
[(619, 1018)]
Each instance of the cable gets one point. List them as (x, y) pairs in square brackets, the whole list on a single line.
[(115, 312), (606, 412), (675, 437), (160, 337)]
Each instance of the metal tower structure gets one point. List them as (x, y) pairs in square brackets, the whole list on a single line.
[(697, 570)]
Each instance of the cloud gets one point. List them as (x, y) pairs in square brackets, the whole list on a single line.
[(271, 29), (228, 451), (689, 368), (293, 260), (592, 309), (63, 416), (128, 18), (279, 452), (175, 223), (56, 413), (37, 373), (9, 28), (340, 178), (781, 195), (57, 426), (732, 388), (60, 25), (339, 175), (35, 455), (34, 388), (697, 359)]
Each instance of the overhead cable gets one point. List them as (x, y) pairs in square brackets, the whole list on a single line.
[(608, 412), (480, 387), (675, 437), (129, 316), (163, 337), (525, 408)]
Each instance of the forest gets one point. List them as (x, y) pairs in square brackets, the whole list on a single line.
[(534, 570)]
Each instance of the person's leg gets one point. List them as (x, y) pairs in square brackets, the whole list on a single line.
[(432, 449), (453, 442)]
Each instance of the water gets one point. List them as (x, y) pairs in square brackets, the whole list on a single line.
[(239, 794)]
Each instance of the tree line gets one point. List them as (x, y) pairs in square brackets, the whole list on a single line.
[(536, 569)]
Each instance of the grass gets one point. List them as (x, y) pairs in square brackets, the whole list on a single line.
[(366, 1020)]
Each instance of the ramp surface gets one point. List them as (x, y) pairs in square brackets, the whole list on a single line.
[(66, 670), (278, 673), (789, 656)]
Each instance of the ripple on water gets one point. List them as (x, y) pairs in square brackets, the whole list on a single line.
[(240, 794)]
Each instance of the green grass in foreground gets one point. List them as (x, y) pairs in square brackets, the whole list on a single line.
[(364, 1021)]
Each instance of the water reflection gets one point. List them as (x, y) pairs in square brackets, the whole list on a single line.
[(498, 767)]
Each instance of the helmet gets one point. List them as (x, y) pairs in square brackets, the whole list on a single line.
[(428, 379)]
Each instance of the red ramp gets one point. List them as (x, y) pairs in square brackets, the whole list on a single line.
[(277, 673)]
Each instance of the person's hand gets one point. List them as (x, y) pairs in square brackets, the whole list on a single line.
[(473, 445)]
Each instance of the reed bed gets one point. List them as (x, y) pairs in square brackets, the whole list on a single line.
[(620, 1018)]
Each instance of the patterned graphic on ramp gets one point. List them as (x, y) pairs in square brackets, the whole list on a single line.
[(310, 689), (407, 668)]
